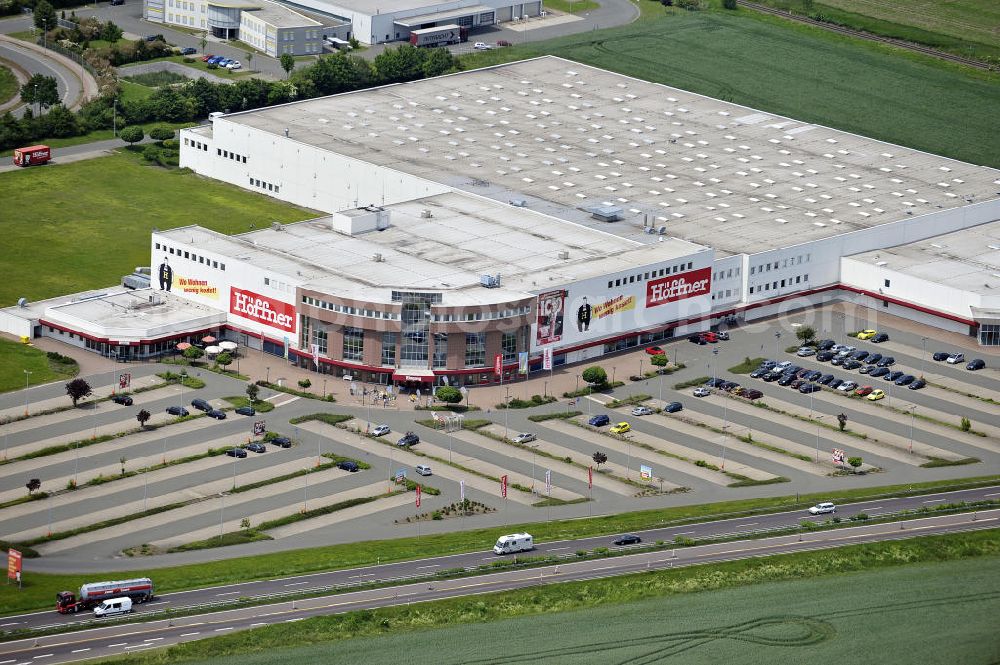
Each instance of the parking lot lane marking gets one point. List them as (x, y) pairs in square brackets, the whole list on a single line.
[(296, 583), (189, 634), (44, 655), (262, 623), (433, 565), (229, 593)]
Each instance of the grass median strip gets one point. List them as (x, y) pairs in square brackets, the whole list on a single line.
[(542, 417), (691, 383), (259, 405)]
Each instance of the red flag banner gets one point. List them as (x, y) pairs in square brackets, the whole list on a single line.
[(503, 486), (418, 496), (590, 477), (13, 564)]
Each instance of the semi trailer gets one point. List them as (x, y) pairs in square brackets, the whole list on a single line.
[(139, 590)]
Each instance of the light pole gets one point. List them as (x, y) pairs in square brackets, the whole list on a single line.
[(27, 375), (640, 366), (545, 390), (532, 469), (305, 491), (268, 379), (145, 489), (38, 104), (912, 411), (777, 341), (324, 388), (923, 345), (222, 512), (234, 470), (818, 419), (712, 365), (613, 369), (506, 408), (725, 431)]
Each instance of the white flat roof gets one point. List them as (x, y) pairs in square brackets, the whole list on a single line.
[(375, 7), (968, 260), (566, 136), (465, 237), (280, 16)]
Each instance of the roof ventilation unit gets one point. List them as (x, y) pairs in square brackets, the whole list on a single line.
[(277, 226), (564, 255), (518, 203), (606, 213), (426, 214), (378, 258), (490, 281)]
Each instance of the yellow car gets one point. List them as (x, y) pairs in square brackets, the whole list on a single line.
[(867, 334), (621, 428), (876, 395)]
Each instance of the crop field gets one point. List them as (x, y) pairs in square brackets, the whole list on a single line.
[(83, 225), (928, 613), (799, 72)]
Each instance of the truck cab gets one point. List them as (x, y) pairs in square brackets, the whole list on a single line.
[(66, 603)]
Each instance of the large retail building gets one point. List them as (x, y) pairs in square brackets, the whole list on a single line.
[(546, 209)]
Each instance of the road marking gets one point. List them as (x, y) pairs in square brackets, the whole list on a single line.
[(263, 623), (4, 662), (44, 655), (993, 494), (296, 583), (74, 651), (291, 620), (681, 533), (12, 623), (556, 549), (219, 630), (159, 602), (746, 525), (229, 593), (875, 508), (934, 501), (189, 634), (153, 639), (120, 644), (435, 565)]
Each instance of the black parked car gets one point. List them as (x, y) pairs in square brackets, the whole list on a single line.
[(941, 355), (201, 405), (878, 371), (697, 339), (825, 356), (753, 394), (282, 441), (835, 383), (794, 385), (892, 376), (873, 358), (715, 383), (852, 364), (905, 380), (236, 452), (813, 375), (177, 411), (879, 338), (771, 376), (860, 354), (886, 361), (825, 379), (187, 50), (256, 447), (627, 539), (126, 400), (978, 363), (246, 411), (807, 388), (759, 372), (825, 345), (786, 380), (673, 407), (409, 439), (728, 386), (348, 465), (217, 414), (917, 385)]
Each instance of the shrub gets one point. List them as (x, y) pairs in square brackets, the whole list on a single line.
[(966, 424), (304, 383), (729, 4)]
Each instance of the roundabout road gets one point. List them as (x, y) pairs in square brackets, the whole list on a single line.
[(24, 56)]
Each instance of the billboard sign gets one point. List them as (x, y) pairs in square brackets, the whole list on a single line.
[(645, 472), (678, 287), (550, 317), (13, 565), (255, 307)]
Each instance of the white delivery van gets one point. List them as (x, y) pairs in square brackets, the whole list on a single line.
[(112, 606), (515, 542)]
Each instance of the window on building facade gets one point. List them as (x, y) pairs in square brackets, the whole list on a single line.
[(475, 349), (989, 334), (389, 349), (319, 338), (440, 350), (354, 344), (508, 346)]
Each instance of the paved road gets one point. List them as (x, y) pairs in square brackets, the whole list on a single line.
[(402, 570), (33, 62), (117, 639)]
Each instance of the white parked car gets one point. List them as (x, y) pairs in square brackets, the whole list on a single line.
[(381, 430), (847, 386), (956, 358), (482, 46), (642, 411), (823, 508), (235, 64), (423, 469), (524, 437), (805, 351), (702, 391)]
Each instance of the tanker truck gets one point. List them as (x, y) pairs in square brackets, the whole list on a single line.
[(139, 590)]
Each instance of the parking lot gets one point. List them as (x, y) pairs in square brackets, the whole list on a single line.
[(717, 447)]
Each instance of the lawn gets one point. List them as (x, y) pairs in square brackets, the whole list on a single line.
[(221, 72), (571, 6), (16, 357), (133, 92), (8, 85), (95, 217), (797, 71), (929, 601)]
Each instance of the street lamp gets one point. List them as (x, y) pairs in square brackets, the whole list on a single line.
[(268, 379), (38, 104), (818, 419), (725, 432), (506, 409), (912, 411), (613, 368), (923, 345), (27, 375), (777, 340)]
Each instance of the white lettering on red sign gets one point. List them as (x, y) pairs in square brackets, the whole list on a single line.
[(678, 287), (262, 309)]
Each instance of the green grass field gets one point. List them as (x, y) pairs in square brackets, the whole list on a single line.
[(98, 135), (798, 71), (16, 357), (8, 84), (92, 220), (973, 20), (133, 92), (927, 600)]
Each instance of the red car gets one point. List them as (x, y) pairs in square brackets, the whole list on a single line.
[(863, 391), (710, 337), (205, 57), (654, 351)]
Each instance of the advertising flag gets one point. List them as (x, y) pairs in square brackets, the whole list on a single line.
[(13, 565), (259, 428), (503, 486), (497, 364), (838, 456), (124, 380), (547, 358), (461, 490), (645, 472), (315, 351), (548, 482), (418, 496), (590, 477), (522, 362)]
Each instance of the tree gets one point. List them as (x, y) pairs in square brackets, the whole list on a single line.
[(304, 383), (245, 524), (41, 90), (110, 32), (842, 421), (77, 389), (806, 334), (448, 394), (122, 460), (437, 62), (224, 360), (131, 135), (143, 417), (400, 64), (599, 459), (203, 40), (33, 485), (596, 376), (161, 133), (45, 16), (252, 391), (660, 360), (60, 122), (287, 62), (729, 4), (249, 55), (192, 352), (855, 462)]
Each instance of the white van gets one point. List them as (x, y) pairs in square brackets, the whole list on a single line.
[(112, 606), (515, 542), (423, 469)]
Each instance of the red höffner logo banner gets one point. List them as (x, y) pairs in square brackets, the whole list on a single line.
[(262, 309), (678, 287)]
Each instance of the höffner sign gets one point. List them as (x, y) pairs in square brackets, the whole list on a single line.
[(678, 287), (262, 309)]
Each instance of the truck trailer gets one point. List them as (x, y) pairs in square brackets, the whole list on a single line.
[(32, 155), (139, 590), (442, 35)]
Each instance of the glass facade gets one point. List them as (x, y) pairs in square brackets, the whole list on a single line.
[(440, 350), (319, 337), (475, 349), (989, 335), (508, 346), (389, 340), (354, 344), (416, 316)]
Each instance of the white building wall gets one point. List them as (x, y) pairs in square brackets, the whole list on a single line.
[(188, 13), (939, 297), (727, 281)]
